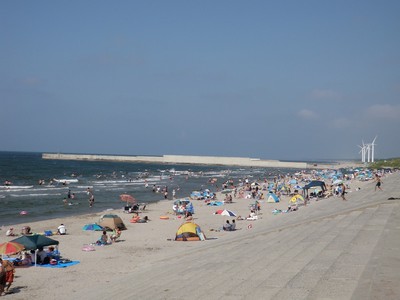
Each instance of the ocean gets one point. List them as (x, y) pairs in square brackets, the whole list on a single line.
[(107, 180)]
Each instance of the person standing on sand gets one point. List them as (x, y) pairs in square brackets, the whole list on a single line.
[(343, 192), (8, 268), (378, 182), (2, 277)]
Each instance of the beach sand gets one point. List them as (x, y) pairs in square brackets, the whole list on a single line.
[(323, 250)]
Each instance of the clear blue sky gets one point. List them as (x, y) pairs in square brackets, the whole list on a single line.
[(267, 79)]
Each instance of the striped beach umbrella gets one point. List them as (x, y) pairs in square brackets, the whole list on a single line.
[(225, 212), (11, 248)]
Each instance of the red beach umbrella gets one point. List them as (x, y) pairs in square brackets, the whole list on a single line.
[(127, 198), (11, 248)]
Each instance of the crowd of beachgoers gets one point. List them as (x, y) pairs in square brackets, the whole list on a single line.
[(246, 199)]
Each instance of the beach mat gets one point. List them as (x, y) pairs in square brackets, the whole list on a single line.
[(61, 265)]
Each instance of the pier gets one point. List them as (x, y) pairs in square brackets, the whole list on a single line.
[(190, 159)]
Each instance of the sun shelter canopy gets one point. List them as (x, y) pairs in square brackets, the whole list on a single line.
[(313, 184), (36, 241)]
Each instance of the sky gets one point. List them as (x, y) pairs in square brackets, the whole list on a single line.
[(289, 80)]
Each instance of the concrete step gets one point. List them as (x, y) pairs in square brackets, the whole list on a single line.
[(381, 277), (321, 277)]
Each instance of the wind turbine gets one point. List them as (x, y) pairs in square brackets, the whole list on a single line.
[(368, 148), (372, 145), (362, 151)]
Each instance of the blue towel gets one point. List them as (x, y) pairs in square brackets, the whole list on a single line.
[(61, 265)]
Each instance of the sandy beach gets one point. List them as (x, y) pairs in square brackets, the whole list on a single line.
[(330, 249)]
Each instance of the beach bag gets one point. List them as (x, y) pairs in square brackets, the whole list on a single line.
[(48, 233)]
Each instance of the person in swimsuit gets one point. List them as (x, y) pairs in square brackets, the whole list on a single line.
[(378, 182)]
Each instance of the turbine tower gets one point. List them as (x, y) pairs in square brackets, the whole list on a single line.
[(373, 149), (368, 148), (362, 151)]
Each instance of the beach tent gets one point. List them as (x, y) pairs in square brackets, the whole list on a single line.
[(92, 226), (111, 222), (313, 184), (189, 232), (272, 198)]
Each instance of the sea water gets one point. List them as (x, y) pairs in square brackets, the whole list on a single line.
[(107, 180)]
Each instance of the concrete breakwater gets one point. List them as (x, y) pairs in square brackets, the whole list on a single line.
[(187, 159)]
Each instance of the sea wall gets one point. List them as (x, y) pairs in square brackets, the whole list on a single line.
[(184, 159)]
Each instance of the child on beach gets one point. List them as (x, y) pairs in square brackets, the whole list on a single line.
[(103, 240), (10, 232), (116, 234)]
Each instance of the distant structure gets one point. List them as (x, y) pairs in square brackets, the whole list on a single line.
[(368, 151), (362, 151)]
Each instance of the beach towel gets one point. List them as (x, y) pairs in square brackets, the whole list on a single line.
[(61, 265)]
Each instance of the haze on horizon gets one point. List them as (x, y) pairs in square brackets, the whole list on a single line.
[(290, 80)]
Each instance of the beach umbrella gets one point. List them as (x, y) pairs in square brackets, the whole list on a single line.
[(35, 241), (93, 227), (10, 248), (127, 198), (225, 212)]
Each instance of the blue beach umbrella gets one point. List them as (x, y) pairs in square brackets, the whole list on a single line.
[(93, 227)]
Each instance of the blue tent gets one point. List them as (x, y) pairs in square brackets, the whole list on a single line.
[(272, 198), (93, 226)]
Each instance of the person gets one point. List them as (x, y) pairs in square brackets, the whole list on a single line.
[(144, 220), (227, 226), (26, 230), (42, 257), (252, 216), (26, 259), (61, 230), (135, 218), (378, 182), (53, 253), (10, 232), (343, 192), (91, 200), (233, 225), (116, 234), (9, 270), (103, 240), (2, 277)]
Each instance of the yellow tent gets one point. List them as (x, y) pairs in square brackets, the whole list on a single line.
[(189, 232)]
